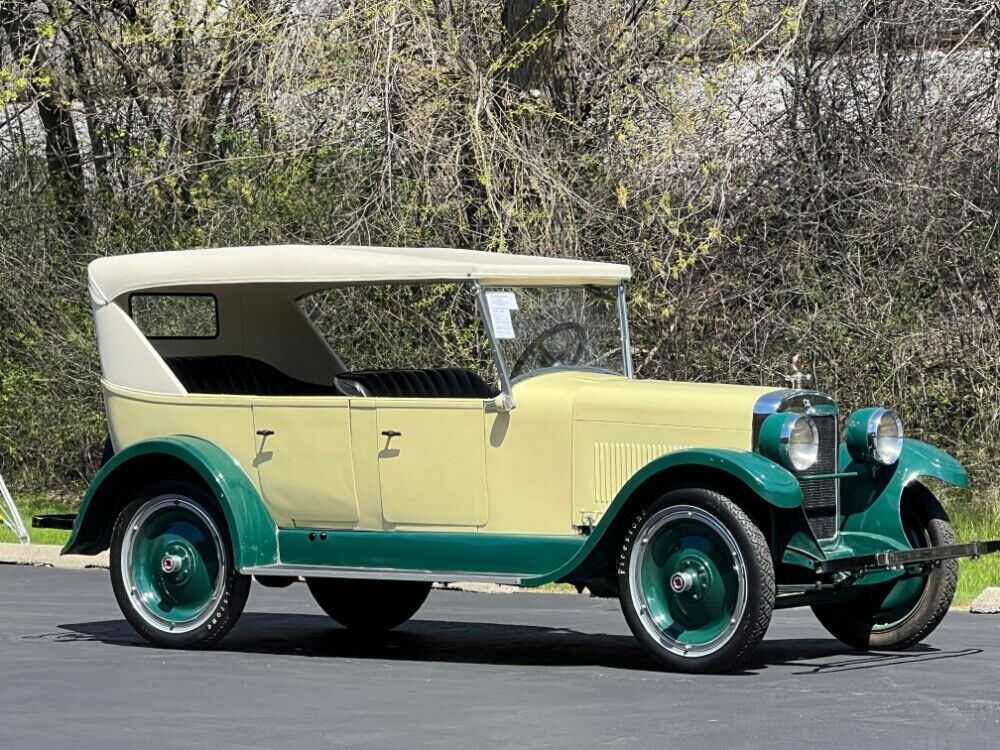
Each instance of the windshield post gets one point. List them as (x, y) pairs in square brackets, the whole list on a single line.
[(626, 337), (505, 386)]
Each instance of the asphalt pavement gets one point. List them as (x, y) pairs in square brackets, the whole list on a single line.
[(470, 671)]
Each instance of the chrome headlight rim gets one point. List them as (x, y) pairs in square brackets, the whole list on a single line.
[(875, 449), (795, 461), (864, 441), (778, 440)]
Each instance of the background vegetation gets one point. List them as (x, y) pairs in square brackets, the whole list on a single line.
[(814, 176)]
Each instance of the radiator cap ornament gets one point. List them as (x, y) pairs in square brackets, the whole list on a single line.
[(797, 379)]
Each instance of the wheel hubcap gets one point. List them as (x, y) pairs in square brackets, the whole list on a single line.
[(682, 582), (173, 562), (688, 581)]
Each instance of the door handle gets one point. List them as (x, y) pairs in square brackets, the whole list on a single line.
[(265, 432), (392, 433)]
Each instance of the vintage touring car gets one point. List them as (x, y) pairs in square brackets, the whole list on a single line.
[(249, 440)]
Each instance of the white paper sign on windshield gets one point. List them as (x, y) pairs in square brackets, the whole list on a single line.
[(500, 304)]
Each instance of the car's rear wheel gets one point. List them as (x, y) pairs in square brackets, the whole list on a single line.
[(899, 614), (172, 567), (368, 605), (696, 581)]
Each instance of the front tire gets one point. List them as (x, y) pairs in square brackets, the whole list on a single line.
[(172, 567), (696, 581), (366, 605), (899, 614)]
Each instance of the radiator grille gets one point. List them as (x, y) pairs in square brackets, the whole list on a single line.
[(820, 496)]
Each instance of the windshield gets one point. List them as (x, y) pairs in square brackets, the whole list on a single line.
[(539, 328)]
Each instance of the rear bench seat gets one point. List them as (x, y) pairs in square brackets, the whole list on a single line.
[(445, 382), (245, 376), (241, 376)]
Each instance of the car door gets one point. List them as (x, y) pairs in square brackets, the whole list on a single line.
[(429, 454), (304, 460)]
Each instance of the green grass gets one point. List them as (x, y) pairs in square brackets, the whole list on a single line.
[(979, 522), (974, 575)]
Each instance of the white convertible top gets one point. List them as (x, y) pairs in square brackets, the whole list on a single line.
[(311, 266)]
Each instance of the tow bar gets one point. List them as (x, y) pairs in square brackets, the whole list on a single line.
[(889, 559)]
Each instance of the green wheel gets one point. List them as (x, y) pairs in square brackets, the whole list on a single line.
[(172, 569), (696, 581), (897, 615)]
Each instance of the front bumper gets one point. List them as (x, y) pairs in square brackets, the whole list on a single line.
[(899, 559)]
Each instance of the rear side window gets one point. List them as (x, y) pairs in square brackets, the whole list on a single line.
[(390, 326), (175, 316)]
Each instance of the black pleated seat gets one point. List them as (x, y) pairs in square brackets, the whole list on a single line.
[(241, 376), (446, 382)]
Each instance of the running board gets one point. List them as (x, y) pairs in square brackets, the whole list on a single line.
[(381, 574), (890, 559)]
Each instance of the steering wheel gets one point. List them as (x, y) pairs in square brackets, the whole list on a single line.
[(537, 347)]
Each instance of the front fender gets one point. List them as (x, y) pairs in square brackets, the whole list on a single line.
[(870, 502), (251, 528), (770, 481)]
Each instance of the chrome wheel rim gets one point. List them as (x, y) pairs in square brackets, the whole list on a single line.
[(173, 564), (688, 581)]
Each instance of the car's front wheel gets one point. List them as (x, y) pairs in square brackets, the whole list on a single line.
[(172, 569), (360, 604), (696, 581), (899, 614)]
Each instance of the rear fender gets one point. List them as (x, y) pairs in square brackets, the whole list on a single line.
[(251, 528)]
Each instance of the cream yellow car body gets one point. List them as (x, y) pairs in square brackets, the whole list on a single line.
[(551, 466)]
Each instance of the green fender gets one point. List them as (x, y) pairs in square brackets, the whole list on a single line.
[(770, 481), (870, 502), (251, 528)]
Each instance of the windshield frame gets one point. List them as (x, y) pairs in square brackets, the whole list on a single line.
[(506, 383)]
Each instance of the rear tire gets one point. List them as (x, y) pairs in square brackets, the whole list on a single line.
[(172, 567), (696, 581), (900, 614), (360, 604)]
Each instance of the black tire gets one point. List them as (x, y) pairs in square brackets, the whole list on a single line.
[(751, 571), (366, 605), (864, 623), (229, 589)]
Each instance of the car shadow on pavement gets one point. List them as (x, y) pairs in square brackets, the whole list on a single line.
[(461, 642)]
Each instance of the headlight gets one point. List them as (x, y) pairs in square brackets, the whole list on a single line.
[(791, 439), (875, 435)]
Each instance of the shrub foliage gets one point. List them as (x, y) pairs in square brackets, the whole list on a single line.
[(815, 177)]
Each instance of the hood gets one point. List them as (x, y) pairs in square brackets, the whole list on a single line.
[(668, 403)]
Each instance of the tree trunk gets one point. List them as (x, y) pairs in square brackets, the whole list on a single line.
[(534, 49), (62, 148)]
